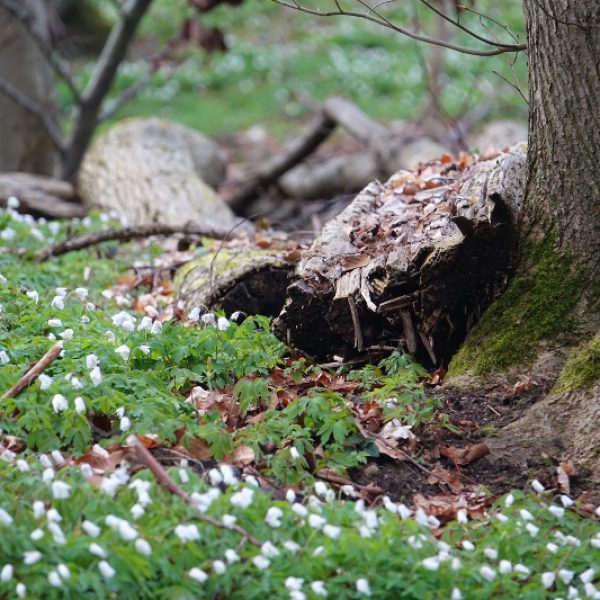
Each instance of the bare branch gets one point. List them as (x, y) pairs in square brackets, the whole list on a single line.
[(34, 372), (30, 105), (60, 66), (462, 27), (103, 75), (165, 480), (513, 84), (125, 234), (374, 16)]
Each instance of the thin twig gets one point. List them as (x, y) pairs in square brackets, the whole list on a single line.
[(376, 17), (125, 234), (34, 372), (163, 478), (60, 67), (31, 106)]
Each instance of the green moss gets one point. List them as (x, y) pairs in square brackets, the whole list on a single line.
[(582, 368), (537, 306)]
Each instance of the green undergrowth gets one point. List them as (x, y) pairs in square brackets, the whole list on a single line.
[(67, 539), (280, 62), (537, 306), (119, 534), (582, 368)]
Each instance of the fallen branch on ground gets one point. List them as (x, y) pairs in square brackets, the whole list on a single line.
[(126, 234), (145, 457), (34, 372)]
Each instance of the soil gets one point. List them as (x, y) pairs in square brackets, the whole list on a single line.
[(478, 415)]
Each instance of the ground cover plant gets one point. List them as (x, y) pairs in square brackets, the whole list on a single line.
[(249, 490)]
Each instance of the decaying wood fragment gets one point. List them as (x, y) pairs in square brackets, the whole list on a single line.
[(411, 263)]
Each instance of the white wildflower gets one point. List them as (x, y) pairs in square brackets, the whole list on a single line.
[(223, 324), (30, 557), (91, 361), (273, 518), (243, 498), (363, 587), (55, 323), (566, 501), (587, 576), (318, 588), (332, 531), (487, 573), (268, 550), (231, 556), (143, 547), (432, 563), (537, 486), (59, 403), (187, 533), (45, 381), (54, 579), (58, 302), (57, 457), (34, 295), (505, 567), (137, 511), (7, 572), (291, 546), (91, 529), (219, 567), (293, 583), (123, 351), (144, 349), (81, 293), (208, 318), (97, 550), (198, 575), (491, 553), (156, 328), (194, 314), (566, 576), (48, 475), (4, 357), (63, 571), (106, 570), (548, 579), (96, 376), (124, 423), (22, 465), (290, 496), (316, 521), (79, 404), (21, 590), (260, 562)]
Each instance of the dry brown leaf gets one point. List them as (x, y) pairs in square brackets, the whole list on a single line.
[(466, 455), (243, 456), (564, 482)]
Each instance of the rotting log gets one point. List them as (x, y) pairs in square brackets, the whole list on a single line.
[(246, 279), (410, 264)]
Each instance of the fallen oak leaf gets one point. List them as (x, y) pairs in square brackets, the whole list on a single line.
[(243, 456)]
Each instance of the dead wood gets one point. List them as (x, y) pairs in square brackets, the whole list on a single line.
[(247, 279), (34, 372), (126, 234), (411, 263), (318, 131), (40, 196)]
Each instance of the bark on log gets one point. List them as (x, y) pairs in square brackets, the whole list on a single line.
[(245, 279), (410, 264)]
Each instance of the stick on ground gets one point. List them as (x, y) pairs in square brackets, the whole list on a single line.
[(126, 234), (34, 372), (145, 457)]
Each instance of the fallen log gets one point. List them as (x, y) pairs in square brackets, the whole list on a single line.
[(410, 264), (40, 196)]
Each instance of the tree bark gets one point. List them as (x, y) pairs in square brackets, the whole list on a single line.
[(563, 189), (26, 145)]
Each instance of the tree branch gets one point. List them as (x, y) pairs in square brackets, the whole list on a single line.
[(163, 478), (126, 234), (34, 372), (375, 17), (60, 67), (30, 105), (103, 75)]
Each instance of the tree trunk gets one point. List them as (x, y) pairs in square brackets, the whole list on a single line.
[(26, 144), (563, 190), (547, 323)]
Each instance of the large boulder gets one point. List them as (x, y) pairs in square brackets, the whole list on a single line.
[(155, 171)]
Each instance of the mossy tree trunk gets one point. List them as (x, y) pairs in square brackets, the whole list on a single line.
[(548, 319)]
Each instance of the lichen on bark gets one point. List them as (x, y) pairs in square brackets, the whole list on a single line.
[(538, 305)]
